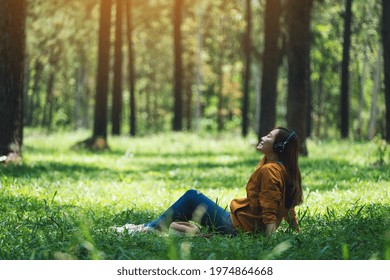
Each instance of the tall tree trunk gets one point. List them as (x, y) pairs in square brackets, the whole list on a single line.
[(247, 70), (386, 57), (77, 97), (374, 109), (12, 55), (188, 81), (271, 62), (129, 19), (220, 121), (26, 88), (198, 107), (155, 115), (48, 108), (177, 114), (344, 104), (80, 107), (117, 87), (298, 51), (150, 89), (100, 119), (34, 98), (220, 74), (362, 83), (320, 101), (309, 92)]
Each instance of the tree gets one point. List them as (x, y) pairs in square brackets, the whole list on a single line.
[(177, 116), (48, 109), (221, 39), (12, 55), (198, 71), (99, 138), (247, 72), (374, 101), (117, 87), (344, 104), (386, 57), (129, 19), (298, 51), (271, 62)]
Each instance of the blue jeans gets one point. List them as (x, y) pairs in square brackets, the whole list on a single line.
[(195, 206)]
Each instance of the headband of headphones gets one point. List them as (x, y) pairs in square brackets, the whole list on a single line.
[(279, 147)]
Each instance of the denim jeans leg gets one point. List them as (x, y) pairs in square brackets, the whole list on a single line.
[(193, 205)]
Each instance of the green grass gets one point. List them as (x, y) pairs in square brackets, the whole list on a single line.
[(61, 202)]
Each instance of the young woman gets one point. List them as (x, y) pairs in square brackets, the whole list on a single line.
[(273, 190)]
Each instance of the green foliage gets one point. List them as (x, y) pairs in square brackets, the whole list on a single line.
[(62, 44), (60, 203)]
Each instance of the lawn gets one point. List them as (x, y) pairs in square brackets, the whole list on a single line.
[(61, 202)]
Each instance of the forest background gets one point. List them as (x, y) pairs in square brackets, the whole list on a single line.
[(123, 75), (141, 67)]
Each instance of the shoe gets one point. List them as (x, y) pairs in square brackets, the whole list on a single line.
[(132, 229)]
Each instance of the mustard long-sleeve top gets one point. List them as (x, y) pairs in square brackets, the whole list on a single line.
[(264, 203)]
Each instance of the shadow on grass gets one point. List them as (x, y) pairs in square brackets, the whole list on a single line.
[(323, 174), (57, 171), (331, 173)]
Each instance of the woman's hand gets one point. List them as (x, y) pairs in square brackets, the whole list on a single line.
[(270, 229)]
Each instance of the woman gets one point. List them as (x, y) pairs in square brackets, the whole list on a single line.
[(273, 190)]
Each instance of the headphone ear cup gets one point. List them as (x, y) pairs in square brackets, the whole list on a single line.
[(278, 148)]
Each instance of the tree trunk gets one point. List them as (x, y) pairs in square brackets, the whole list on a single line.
[(344, 104), (34, 98), (374, 109), (271, 62), (188, 81), (198, 106), (100, 120), (362, 83), (47, 118), (320, 101), (298, 51), (131, 67), (386, 57), (220, 74), (81, 99), (247, 72), (220, 122), (177, 114), (309, 92), (26, 88), (12, 55), (117, 87)]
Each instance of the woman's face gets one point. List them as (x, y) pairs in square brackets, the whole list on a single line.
[(266, 144)]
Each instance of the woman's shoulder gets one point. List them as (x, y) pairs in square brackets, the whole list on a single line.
[(272, 168), (272, 165)]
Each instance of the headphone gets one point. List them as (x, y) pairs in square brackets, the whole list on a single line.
[(279, 147)]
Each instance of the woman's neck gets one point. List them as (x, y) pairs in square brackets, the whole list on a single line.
[(272, 157)]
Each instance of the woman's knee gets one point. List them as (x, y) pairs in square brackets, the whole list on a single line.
[(192, 193)]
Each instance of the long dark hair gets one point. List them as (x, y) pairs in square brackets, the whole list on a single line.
[(289, 157)]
